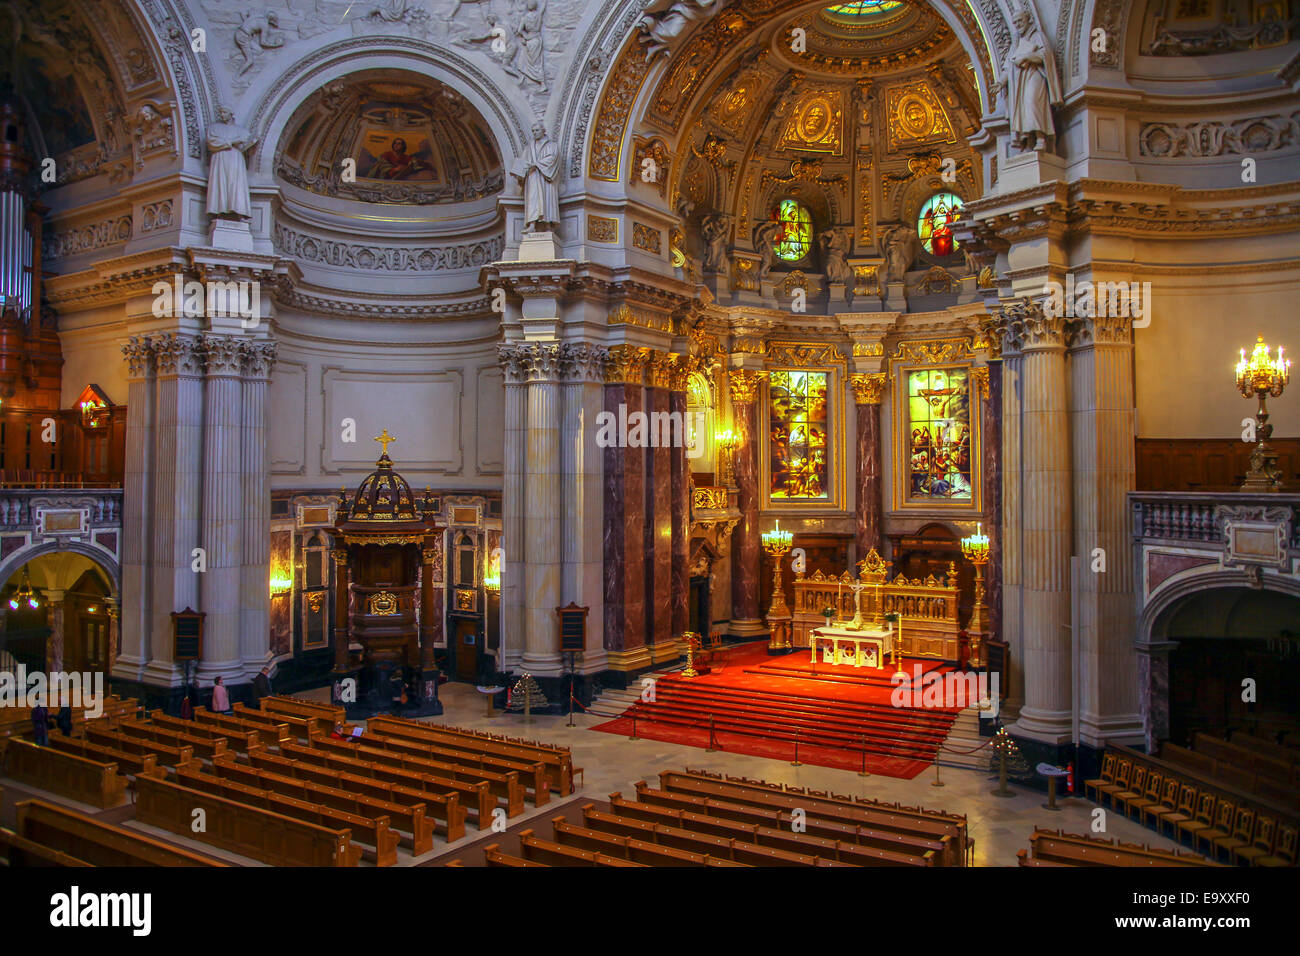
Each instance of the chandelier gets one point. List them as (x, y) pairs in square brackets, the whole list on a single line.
[(24, 595)]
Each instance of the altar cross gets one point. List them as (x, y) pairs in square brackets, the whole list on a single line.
[(385, 440)]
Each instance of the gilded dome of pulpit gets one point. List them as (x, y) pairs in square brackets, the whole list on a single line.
[(386, 594)]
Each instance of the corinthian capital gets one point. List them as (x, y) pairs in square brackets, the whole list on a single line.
[(138, 352), (868, 387), (511, 358), (744, 384), (178, 354), (626, 365), (1029, 328), (583, 362)]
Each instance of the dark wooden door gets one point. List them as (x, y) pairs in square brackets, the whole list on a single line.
[(465, 634)]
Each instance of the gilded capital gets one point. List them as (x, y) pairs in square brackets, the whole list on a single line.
[(979, 376), (679, 377), (868, 387), (744, 384), (626, 365), (659, 369)]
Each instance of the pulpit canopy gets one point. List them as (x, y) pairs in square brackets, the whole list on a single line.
[(383, 506)]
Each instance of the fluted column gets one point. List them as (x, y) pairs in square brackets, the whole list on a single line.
[(746, 556), (177, 493), (342, 589), (255, 600), (868, 390), (137, 506), (512, 509), (1045, 505), (1104, 472), (1012, 477), (582, 492), (542, 530), (223, 506)]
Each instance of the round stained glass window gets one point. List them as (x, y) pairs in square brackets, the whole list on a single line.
[(793, 239), (935, 221), (863, 9)]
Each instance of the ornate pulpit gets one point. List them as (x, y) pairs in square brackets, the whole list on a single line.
[(387, 600)]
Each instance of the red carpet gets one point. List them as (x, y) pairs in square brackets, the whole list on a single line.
[(763, 705)]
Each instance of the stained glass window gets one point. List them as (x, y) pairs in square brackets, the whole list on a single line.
[(865, 8), (794, 238), (934, 223), (939, 453), (798, 423)]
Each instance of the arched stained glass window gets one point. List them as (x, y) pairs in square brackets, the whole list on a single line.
[(794, 238), (798, 428), (934, 223)]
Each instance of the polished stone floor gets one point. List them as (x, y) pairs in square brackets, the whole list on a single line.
[(999, 826)]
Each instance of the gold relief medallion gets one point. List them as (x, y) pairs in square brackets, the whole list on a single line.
[(383, 604)]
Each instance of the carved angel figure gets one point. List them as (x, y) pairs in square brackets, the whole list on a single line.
[(658, 30), (902, 244), (834, 246), (765, 245), (713, 228)]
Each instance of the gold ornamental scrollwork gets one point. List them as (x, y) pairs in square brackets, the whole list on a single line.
[(744, 384), (933, 351), (340, 556), (626, 365), (315, 601), (659, 370), (383, 604), (709, 497), (803, 354), (868, 387), (679, 374)]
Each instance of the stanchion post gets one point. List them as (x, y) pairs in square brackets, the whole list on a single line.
[(634, 736), (863, 771), (937, 782), (710, 748), (795, 762)]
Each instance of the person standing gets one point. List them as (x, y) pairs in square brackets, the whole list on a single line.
[(398, 690), (64, 720), (220, 697), (41, 725), (262, 685)]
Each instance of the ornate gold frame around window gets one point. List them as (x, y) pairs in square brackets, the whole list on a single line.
[(836, 500), (932, 354)]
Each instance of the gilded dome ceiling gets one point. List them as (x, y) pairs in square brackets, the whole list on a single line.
[(390, 138), (865, 37)]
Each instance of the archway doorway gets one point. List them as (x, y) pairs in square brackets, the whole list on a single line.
[(58, 613)]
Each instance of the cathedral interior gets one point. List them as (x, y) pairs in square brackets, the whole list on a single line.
[(406, 406)]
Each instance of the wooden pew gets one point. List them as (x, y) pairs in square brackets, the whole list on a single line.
[(98, 843), (888, 829), (475, 797), (557, 761), (408, 817), (270, 732), (824, 847), (1266, 748), (1075, 850), (250, 831), (503, 785), (127, 763), (537, 850), (167, 755), (531, 773), (208, 747), (95, 782), (376, 834), (492, 853), (323, 717), (241, 740), (16, 851), (299, 728), (1226, 754)]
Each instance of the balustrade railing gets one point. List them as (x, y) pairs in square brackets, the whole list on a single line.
[(18, 506)]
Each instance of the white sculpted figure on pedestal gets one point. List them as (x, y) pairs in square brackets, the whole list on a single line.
[(765, 245), (228, 168), (901, 247), (1032, 86), (658, 30), (713, 229), (536, 171), (834, 246)]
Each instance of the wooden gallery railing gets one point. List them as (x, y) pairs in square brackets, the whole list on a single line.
[(927, 609)]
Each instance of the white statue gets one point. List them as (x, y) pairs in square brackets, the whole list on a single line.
[(531, 57), (834, 246), (536, 171), (228, 168), (658, 30), (260, 30), (765, 245), (901, 247), (1032, 86)]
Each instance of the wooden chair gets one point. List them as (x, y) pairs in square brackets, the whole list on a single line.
[(1134, 790), (1223, 818), (1150, 794), (1284, 853), (1261, 846), (1168, 803), (1107, 776), (1242, 827), (1203, 820), (1123, 775), (1185, 810)]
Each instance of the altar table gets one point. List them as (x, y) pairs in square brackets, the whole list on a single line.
[(860, 648)]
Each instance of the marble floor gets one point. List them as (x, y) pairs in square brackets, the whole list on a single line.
[(999, 826)]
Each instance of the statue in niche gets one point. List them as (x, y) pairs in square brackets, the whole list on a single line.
[(714, 228), (765, 245), (834, 249), (228, 168), (1032, 86), (902, 244), (257, 31), (536, 171), (659, 30)]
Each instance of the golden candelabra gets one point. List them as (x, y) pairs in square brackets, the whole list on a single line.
[(1261, 375), (777, 543), (727, 442), (691, 639), (976, 550)]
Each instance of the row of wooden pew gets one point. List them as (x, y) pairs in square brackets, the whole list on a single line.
[(17, 721), (699, 819), (1205, 814), (1058, 848)]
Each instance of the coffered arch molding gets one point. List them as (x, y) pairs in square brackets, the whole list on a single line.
[(275, 106)]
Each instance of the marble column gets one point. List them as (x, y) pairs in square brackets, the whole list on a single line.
[(137, 505), (991, 450), (868, 390), (54, 618), (255, 600), (681, 501), (177, 494), (1045, 506), (659, 508), (581, 469), (342, 632), (1104, 414), (431, 598), (543, 543), (223, 507), (745, 550), (114, 632), (511, 647), (624, 512)]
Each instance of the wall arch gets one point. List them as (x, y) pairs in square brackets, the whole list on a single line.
[(101, 558), (1157, 613)]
